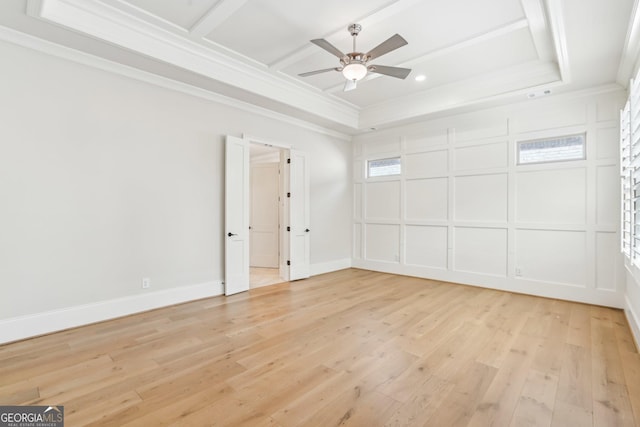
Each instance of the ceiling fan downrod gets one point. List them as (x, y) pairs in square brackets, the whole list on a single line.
[(354, 30)]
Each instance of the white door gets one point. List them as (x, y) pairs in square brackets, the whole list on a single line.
[(299, 216), (264, 219), (236, 197)]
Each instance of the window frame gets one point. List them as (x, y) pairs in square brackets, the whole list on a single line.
[(377, 159), (583, 135)]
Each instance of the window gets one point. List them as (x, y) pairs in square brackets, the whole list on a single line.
[(383, 167), (626, 195), (558, 149), (630, 175)]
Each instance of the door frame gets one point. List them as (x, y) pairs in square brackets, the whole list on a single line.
[(285, 206)]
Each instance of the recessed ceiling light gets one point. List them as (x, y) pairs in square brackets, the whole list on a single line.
[(421, 78)]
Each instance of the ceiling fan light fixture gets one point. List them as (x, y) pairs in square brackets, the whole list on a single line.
[(354, 65), (354, 71)]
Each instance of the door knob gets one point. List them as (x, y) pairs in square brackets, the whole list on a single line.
[(307, 230), (231, 234)]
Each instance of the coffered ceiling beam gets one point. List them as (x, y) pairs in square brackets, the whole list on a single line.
[(556, 22), (216, 16), (540, 32)]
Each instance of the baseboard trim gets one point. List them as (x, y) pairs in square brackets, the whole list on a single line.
[(633, 320), (18, 328), (561, 291), (329, 266)]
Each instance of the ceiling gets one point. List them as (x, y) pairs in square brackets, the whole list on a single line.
[(471, 52)]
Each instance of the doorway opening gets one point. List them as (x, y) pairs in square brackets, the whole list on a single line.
[(267, 207), (293, 217)]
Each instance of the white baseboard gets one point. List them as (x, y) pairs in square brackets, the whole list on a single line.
[(521, 285), (634, 321), (18, 328), (328, 267), (22, 327)]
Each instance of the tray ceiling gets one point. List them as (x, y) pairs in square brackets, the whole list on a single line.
[(470, 51)]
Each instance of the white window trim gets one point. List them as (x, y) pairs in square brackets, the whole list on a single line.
[(552, 138), (630, 176), (395, 175)]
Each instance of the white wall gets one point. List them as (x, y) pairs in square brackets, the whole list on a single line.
[(462, 211), (106, 179)]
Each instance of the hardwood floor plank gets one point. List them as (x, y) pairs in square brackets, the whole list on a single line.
[(458, 406), (353, 347), (421, 404), (502, 396), (549, 355), (537, 400), (565, 414), (354, 408), (574, 383), (631, 366), (306, 405), (624, 338), (611, 405)]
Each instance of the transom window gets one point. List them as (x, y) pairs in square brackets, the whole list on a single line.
[(558, 149), (384, 167)]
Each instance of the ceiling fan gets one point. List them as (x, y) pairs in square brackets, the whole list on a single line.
[(354, 66)]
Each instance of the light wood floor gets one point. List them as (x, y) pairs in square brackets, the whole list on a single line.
[(348, 348), (259, 276)]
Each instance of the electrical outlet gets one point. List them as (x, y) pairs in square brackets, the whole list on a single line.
[(146, 283), (518, 272)]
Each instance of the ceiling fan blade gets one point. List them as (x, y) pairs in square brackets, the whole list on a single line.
[(328, 47), (392, 43), (397, 72), (349, 85), (311, 73)]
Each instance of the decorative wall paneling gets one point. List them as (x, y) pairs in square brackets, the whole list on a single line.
[(463, 211)]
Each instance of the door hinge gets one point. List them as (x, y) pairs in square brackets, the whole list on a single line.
[(288, 262), (288, 228), (288, 160), (288, 194)]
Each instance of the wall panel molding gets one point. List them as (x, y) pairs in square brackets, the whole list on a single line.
[(543, 229)]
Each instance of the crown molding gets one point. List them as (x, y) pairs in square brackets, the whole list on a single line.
[(465, 93), (388, 132), (110, 24), (49, 48), (631, 50)]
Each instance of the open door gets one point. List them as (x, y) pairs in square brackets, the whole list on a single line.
[(299, 237), (265, 215), (236, 219)]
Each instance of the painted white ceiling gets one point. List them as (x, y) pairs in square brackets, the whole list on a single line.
[(471, 51)]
